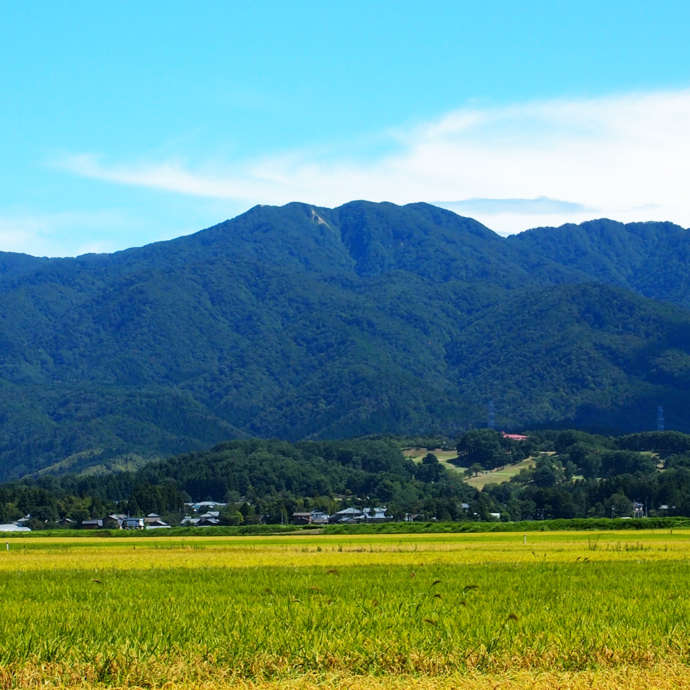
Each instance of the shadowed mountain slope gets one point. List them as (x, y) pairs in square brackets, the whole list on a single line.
[(649, 258), (302, 321)]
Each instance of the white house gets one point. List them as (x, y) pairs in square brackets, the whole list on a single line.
[(12, 527), (377, 514), (133, 523)]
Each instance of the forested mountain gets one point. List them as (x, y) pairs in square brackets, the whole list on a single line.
[(306, 322), (12, 264), (649, 258)]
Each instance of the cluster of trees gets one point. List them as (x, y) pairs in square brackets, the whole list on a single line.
[(576, 474), (45, 505), (573, 474), (485, 449), (260, 480)]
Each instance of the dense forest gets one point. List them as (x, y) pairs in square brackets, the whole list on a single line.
[(301, 322), (570, 474)]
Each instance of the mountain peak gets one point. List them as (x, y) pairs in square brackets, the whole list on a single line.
[(304, 321)]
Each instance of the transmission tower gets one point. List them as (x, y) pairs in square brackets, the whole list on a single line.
[(660, 418)]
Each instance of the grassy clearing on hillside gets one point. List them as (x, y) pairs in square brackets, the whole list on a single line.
[(500, 475), (444, 457), (81, 464), (418, 454), (364, 611)]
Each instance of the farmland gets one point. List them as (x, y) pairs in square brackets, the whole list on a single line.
[(425, 610)]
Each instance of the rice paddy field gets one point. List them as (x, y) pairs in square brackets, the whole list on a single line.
[(502, 610)]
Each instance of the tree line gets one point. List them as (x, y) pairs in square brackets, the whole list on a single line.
[(571, 474)]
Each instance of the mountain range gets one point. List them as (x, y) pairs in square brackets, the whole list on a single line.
[(305, 322)]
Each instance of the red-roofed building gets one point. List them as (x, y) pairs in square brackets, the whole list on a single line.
[(514, 437)]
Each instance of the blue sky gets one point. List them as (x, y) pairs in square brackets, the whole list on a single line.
[(124, 123)]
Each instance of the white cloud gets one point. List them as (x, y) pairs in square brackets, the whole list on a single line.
[(57, 234), (625, 156), (540, 205)]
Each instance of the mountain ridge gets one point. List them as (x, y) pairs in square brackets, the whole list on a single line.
[(306, 322)]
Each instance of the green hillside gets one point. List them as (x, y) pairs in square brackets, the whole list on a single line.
[(546, 475), (304, 322), (649, 258)]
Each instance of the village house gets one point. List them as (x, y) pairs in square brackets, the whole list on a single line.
[(514, 437), (153, 521), (209, 519), (318, 517), (133, 523), (114, 521), (14, 527), (202, 506), (347, 515), (119, 521), (67, 523), (350, 515), (92, 524), (315, 517), (376, 515)]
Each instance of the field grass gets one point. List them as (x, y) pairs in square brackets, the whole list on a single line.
[(500, 475), (445, 457), (556, 609), (522, 526)]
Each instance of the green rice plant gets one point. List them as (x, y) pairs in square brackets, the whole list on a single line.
[(276, 609)]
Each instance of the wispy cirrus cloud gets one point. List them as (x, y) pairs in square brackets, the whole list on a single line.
[(545, 162), (540, 205)]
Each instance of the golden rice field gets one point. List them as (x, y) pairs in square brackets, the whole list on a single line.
[(503, 610)]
